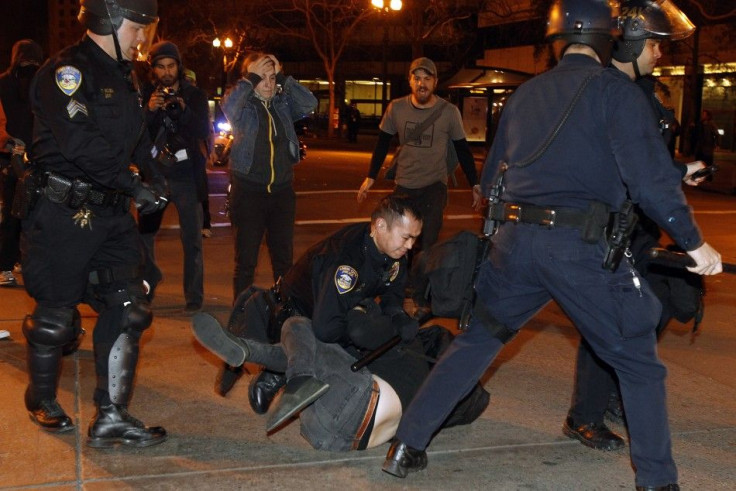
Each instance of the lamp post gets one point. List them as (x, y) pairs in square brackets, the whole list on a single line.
[(384, 7), (225, 45)]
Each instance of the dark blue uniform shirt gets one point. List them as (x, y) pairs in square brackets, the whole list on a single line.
[(609, 145)]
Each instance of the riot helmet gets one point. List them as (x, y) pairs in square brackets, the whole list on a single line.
[(103, 17), (589, 22), (648, 19)]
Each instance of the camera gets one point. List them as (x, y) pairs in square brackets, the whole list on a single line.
[(171, 102)]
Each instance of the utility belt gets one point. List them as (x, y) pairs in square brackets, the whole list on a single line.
[(591, 222), (594, 224), (75, 193)]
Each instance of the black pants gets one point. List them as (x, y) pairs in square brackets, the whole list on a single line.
[(58, 257), (430, 201), (253, 215)]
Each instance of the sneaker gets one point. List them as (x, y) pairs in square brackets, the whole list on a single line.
[(206, 233), (7, 279)]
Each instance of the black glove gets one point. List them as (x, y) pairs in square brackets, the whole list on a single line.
[(407, 327), (367, 327), (147, 200)]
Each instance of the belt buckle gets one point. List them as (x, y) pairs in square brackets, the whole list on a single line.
[(549, 222)]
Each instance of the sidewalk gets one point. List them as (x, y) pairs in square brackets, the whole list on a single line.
[(219, 443)]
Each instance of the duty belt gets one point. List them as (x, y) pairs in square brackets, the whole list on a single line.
[(75, 192), (549, 216)]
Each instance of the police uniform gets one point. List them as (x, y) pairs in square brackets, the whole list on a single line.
[(609, 144), (80, 240)]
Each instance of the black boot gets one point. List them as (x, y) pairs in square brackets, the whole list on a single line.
[(300, 392), (113, 424), (263, 388), (226, 378), (40, 397), (401, 459), (49, 415), (593, 435), (666, 487)]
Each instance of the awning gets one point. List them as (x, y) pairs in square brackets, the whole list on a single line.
[(485, 77)]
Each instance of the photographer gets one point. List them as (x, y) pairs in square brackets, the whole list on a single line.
[(178, 123)]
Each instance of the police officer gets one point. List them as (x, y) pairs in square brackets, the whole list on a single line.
[(80, 240), (645, 24), (562, 176), (331, 292)]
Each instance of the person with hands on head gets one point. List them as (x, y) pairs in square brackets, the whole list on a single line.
[(261, 109), (80, 241)]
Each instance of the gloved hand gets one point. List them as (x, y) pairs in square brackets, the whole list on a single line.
[(147, 200), (367, 327), (406, 326)]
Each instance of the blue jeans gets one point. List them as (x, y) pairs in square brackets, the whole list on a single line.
[(528, 266)]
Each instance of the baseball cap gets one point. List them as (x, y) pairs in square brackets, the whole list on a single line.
[(425, 64)]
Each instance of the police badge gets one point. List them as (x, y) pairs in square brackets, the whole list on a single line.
[(345, 278), (394, 271), (68, 79)]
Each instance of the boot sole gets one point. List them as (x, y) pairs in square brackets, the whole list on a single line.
[(395, 469), (51, 429), (277, 420), (111, 442), (216, 339)]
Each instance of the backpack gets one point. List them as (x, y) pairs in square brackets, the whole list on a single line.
[(445, 274)]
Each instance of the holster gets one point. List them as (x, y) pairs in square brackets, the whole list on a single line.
[(27, 191), (280, 309), (620, 227)]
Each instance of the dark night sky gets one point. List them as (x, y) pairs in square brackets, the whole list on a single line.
[(22, 19)]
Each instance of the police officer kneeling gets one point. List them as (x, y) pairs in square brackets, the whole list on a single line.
[(81, 242)]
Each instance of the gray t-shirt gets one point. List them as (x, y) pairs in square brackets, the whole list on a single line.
[(424, 161)]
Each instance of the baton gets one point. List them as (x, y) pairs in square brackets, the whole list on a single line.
[(673, 259), (376, 353)]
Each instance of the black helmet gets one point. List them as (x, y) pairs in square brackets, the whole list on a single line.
[(93, 14), (645, 19), (589, 22)]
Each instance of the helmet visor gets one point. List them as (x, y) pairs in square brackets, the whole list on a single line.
[(656, 18), (144, 48)]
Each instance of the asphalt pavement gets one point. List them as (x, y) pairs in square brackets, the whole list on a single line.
[(219, 443)]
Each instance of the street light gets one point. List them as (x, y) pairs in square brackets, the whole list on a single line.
[(384, 7), (224, 45)]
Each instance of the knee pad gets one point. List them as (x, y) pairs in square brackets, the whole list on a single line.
[(49, 326), (136, 312), (137, 317)]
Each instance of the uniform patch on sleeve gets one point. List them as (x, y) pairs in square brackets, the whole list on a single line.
[(394, 271), (75, 107), (68, 79), (345, 278)]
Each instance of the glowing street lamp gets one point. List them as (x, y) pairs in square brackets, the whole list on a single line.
[(385, 7), (225, 46)]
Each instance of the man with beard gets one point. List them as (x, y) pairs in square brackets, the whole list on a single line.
[(421, 163), (178, 123), (16, 125)]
